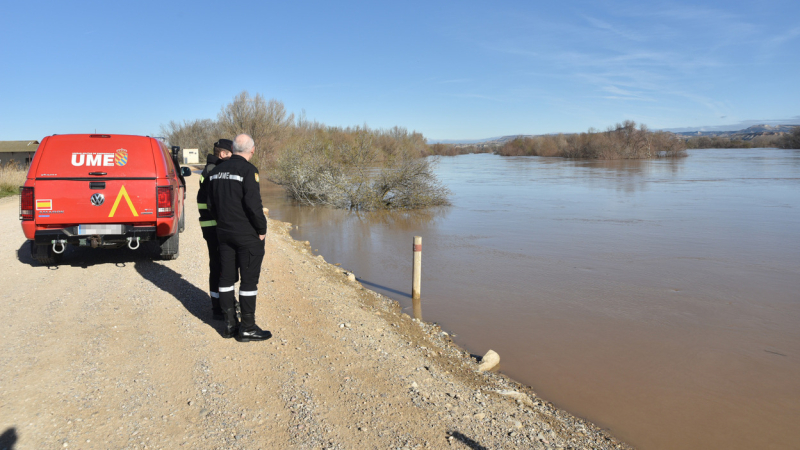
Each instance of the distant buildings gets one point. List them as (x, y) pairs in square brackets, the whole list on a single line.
[(19, 151), (191, 156)]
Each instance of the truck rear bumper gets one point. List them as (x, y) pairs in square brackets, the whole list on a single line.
[(69, 235)]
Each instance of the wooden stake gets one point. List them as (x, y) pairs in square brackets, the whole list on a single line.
[(416, 278)]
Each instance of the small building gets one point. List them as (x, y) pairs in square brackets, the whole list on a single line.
[(19, 151), (191, 156)]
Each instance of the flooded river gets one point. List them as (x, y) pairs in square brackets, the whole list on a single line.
[(658, 299)]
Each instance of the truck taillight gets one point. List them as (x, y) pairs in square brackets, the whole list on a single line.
[(25, 203), (165, 207)]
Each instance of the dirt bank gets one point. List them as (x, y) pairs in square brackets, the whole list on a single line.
[(111, 349)]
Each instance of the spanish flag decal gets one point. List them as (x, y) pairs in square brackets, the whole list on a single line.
[(44, 205), (123, 193)]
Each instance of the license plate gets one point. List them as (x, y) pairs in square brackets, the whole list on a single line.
[(101, 228)]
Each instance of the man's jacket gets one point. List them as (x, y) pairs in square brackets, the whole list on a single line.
[(202, 194), (234, 197)]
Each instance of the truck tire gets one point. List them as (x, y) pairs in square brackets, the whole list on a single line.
[(182, 222), (44, 254), (169, 248)]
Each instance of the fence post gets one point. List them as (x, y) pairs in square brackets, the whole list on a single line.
[(417, 278)]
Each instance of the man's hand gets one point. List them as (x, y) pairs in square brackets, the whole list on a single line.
[(262, 236)]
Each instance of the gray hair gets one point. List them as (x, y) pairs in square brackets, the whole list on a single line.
[(243, 143)]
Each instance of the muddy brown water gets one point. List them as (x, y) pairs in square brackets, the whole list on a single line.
[(658, 299)]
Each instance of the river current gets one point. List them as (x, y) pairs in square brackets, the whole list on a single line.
[(659, 299)]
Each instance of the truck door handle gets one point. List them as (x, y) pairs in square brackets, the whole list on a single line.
[(97, 185), (98, 173)]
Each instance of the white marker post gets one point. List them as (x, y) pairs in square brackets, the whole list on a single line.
[(416, 278)]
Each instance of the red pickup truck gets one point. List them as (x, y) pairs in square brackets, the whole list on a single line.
[(103, 191)]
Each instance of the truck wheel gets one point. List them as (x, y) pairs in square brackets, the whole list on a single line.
[(44, 254), (169, 248)]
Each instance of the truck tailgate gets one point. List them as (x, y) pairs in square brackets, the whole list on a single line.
[(95, 200)]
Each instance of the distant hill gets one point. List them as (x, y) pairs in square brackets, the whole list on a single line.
[(487, 141), (745, 134)]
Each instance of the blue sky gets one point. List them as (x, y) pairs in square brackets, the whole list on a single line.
[(451, 70)]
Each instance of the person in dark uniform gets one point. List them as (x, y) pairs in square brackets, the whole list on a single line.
[(222, 151), (234, 200)]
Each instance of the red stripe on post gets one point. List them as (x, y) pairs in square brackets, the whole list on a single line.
[(418, 248)]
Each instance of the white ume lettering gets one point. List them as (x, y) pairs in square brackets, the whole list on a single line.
[(93, 159)]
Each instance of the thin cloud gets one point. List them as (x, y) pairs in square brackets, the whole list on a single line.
[(479, 96), (457, 80), (787, 36), (600, 24), (623, 94)]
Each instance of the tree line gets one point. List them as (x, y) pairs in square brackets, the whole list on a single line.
[(790, 140), (623, 141), (772, 140), (345, 167)]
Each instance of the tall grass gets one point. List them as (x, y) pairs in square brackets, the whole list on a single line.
[(12, 176)]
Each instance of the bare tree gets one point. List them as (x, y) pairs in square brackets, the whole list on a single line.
[(266, 121), (200, 134)]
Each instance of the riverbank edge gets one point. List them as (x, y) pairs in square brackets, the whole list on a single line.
[(452, 359), (427, 342)]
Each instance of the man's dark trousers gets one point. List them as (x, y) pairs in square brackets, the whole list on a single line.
[(214, 266), (246, 252)]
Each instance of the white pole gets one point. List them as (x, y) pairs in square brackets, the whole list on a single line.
[(417, 278)]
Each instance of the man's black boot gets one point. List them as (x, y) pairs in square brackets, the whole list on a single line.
[(216, 308), (231, 324), (249, 331), (217, 314)]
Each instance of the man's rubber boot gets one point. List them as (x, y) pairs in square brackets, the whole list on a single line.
[(231, 324), (249, 331)]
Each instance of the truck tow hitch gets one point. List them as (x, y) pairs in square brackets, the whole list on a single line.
[(131, 240), (58, 243)]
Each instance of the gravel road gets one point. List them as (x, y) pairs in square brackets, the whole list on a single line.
[(112, 349)]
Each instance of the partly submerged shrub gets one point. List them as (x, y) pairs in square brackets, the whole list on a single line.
[(355, 174)]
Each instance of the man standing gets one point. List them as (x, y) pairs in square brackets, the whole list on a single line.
[(222, 151), (234, 200)]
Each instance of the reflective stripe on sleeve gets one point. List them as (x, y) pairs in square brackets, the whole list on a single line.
[(226, 176), (202, 206), (247, 293), (202, 178), (226, 289), (215, 295), (208, 223)]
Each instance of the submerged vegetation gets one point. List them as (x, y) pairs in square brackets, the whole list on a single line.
[(791, 140), (625, 141), (355, 167), (371, 169), (348, 170), (728, 142)]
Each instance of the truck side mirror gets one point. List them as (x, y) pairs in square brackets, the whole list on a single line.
[(186, 171)]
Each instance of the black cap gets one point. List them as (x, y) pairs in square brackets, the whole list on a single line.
[(225, 144)]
